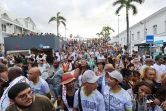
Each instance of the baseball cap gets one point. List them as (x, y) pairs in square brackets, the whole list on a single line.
[(89, 76), (116, 75)]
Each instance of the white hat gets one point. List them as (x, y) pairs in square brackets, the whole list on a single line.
[(89, 76), (116, 75)]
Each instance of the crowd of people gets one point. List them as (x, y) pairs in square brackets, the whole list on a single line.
[(31, 34), (101, 78)]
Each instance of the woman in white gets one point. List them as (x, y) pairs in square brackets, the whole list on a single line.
[(43, 66)]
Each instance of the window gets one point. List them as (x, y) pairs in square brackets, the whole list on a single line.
[(132, 36), (155, 29), (3, 27), (138, 35), (26, 24)]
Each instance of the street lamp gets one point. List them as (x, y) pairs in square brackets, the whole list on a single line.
[(65, 33), (145, 33), (145, 30), (118, 26)]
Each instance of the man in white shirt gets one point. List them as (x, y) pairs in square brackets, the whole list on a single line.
[(74, 55), (160, 68), (91, 52), (90, 98), (57, 55), (96, 54), (100, 56), (43, 66), (14, 76)]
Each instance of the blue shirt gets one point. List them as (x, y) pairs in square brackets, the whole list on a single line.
[(41, 87)]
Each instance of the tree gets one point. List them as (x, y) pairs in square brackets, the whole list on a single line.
[(106, 32), (98, 34), (104, 35), (58, 19), (128, 5), (71, 35)]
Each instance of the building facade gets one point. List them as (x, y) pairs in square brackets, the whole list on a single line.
[(11, 24), (154, 24), (34, 44)]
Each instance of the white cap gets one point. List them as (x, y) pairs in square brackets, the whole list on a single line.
[(116, 75), (89, 76)]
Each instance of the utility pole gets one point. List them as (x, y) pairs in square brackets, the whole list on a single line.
[(118, 26), (65, 33)]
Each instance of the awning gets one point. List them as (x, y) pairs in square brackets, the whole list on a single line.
[(17, 51), (157, 40)]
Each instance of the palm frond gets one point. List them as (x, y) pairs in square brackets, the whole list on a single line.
[(98, 34), (61, 18), (101, 33), (119, 8), (138, 1), (112, 30), (63, 23), (52, 19), (134, 8), (116, 2), (58, 14)]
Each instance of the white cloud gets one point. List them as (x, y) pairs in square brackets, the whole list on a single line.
[(84, 17)]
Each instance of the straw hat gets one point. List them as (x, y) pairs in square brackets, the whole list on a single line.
[(100, 61), (67, 77)]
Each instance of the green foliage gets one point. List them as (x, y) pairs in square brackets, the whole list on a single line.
[(59, 20), (105, 33), (128, 5)]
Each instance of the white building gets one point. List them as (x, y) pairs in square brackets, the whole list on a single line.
[(11, 24), (154, 24)]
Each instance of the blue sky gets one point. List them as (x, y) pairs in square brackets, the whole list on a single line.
[(84, 17)]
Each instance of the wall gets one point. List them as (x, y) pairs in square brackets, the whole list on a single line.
[(29, 42)]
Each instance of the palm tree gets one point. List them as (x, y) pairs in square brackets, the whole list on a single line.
[(98, 34), (59, 19), (106, 32), (71, 35), (128, 5)]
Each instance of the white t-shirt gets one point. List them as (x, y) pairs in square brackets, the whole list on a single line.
[(91, 53), (94, 102), (44, 75), (100, 57), (58, 56), (120, 101), (96, 53), (160, 70), (5, 101), (123, 51), (74, 55)]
